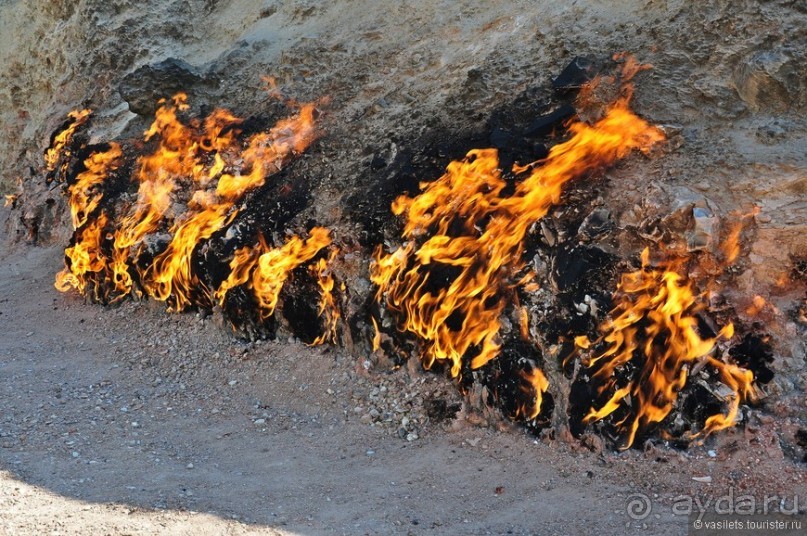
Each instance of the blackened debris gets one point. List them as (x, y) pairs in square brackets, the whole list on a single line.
[(438, 410), (546, 124), (755, 353), (580, 70), (596, 223)]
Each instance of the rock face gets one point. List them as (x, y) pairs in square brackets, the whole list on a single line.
[(771, 80), (146, 85)]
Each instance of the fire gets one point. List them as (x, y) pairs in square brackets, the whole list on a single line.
[(84, 263), (465, 238), (653, 332), (535, 386), (376, 335), (274, 266), (84, 197), (731, 245), (61, 141), (190, 184), (327, 303)]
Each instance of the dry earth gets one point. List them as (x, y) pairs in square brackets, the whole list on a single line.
[(126, 420)]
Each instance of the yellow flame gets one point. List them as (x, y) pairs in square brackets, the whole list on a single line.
[(654, 325), (328, 309), (274, 266), (83, 201), (205, 157), (535, 386), (461, 224), (58, 147), (376, 335)]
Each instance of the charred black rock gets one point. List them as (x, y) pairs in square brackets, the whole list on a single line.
[(545, 124), (579, 71), (755, 353)]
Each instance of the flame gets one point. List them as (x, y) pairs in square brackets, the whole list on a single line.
[(274, 266), (83, 200), (59, 146), (190, 185), (205, 157), (524, 323), (376, 335), (465, 238), (757, 305), (731, 245), (84, 261), (534, 386), (654, 327), (328, 309)]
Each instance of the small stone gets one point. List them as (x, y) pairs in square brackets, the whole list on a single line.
[(135, 424), (232, 382), (75, 454), (370, 452), (189, 466), (712, 454), (703, 479), (411, 436), (260, 421)]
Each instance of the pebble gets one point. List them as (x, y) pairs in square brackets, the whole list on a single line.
[(189, 466), (260, 421), (702, 479), (712, 454)]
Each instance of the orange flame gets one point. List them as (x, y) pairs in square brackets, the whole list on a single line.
[(731, 245), (534, 387), (84, 262), (654, 326), (524, 323), (376, 335), (208, 159), (274, 266), (59, 146), (83, 201), (327, 303), (461, 225)]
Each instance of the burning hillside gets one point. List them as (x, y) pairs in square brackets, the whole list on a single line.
[(169, 217), (179, 217)]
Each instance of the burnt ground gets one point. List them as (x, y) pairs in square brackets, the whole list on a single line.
[(302, 440)]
